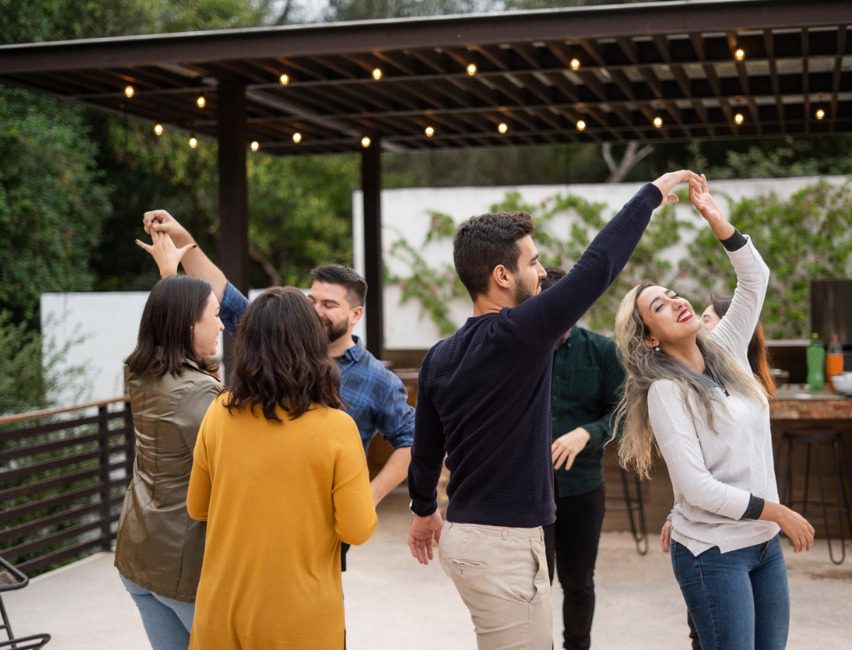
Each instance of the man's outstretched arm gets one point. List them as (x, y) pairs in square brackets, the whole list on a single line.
[(194, 261)]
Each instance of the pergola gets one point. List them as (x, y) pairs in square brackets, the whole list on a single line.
[(655, 72)]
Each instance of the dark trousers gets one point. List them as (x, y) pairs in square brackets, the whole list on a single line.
[(574, 540)]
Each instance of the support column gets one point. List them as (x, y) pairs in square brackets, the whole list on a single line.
[(233, 192), (371, 187)]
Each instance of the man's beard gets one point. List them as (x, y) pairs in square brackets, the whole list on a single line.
[(335, 330), (523, 293)]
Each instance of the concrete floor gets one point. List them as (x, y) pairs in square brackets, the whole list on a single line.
[(393, 603)]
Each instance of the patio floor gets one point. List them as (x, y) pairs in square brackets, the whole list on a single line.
[(392, 602)]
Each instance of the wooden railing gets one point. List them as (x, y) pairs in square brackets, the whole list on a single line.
[(63, 473)]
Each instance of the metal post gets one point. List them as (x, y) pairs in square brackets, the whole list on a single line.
[(371, 186), (233, 190), (104, 492)]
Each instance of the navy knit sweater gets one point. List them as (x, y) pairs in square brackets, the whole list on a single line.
[(484, 393)]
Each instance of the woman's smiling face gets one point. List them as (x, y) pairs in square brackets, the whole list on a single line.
[(667, 317)]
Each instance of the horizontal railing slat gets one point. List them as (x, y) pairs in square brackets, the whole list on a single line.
[(58, 482), (35, 564), (57, 500), (34, 468)]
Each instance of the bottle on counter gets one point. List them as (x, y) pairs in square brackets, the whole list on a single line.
[(834, 359), (816, 363)]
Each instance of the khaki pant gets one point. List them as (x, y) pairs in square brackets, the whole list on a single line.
[(501, 575)]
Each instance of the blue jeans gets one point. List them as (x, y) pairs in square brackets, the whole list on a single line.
[(737, 600), (167, 621)]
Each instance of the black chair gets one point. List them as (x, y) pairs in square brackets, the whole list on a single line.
[(816, 441), (11, 579)]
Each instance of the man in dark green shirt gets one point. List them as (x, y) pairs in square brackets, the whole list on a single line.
[(585, 388)]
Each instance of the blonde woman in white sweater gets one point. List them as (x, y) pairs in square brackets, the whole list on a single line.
[(692, 396)]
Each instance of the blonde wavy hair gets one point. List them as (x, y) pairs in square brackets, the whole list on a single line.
[(644, 366)]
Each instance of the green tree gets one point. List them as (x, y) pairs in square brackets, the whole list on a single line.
[(52, 202)]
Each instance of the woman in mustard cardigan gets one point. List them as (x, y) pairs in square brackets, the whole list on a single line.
[(281, 480)]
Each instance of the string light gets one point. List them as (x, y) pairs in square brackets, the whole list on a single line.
[(658, 122), (297, 137), (377, 74), (158, 129), (429, 131), (255, 145), (471, 69), (284, 79), (193, 142), (201, 101), (574, 64), (502, 127), (129, 91), (820, 114), (739, 119), (581, 125), (739, 54), (365, 142)]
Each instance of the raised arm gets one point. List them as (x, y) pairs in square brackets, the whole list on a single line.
[(194, 261), (546, 317), (736, 328)]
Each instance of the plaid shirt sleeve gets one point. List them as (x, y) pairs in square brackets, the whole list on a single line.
[(231, 308)]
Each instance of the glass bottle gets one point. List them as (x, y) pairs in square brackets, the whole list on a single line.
[(834, 359), (816, 363)]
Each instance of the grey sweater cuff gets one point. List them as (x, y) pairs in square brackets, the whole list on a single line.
[(755, 508)]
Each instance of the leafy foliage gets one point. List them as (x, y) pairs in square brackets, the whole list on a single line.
[(801, 238), (806, 236)]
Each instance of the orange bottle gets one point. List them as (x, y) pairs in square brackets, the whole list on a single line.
[(834, 359)]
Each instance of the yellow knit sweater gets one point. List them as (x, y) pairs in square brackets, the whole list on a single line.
[(278, 498)]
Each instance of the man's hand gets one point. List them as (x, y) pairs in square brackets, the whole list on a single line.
[(565, 448), (421, 533), (161, 221), (666, 536), (165, 253), (668, 182)]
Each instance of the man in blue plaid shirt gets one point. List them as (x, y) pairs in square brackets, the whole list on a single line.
[(372, 395)]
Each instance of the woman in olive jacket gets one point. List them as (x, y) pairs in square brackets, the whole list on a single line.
[(159, 548)]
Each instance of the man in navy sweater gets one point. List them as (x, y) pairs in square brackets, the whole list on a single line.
[(484, 401)]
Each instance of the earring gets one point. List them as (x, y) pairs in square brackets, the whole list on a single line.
[(657, 349)]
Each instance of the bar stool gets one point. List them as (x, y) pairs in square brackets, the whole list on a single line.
[(634, 506), (815, 442)]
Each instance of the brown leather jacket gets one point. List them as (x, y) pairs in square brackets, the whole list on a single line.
[(159, 547)]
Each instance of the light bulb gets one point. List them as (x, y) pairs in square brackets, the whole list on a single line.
[(658, 122), (739, 54), (297, 137), (377, 74), (193, 142), (129, 91), (284, 79), (471, 69), (820, 114), (429, 131), (365, 142), (575, 64), (739, 119), (201, 101), (158, 129), (581, 125), (255, 145), (502, 127)]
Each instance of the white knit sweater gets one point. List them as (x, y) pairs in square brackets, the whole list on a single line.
[(714, 472)]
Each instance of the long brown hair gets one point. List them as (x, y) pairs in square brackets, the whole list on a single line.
[(281, 357), (174, 305), (758, 353)]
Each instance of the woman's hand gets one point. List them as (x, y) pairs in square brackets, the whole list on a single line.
[(666, 536), (699, 195), (165, 253), (793, 525)]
